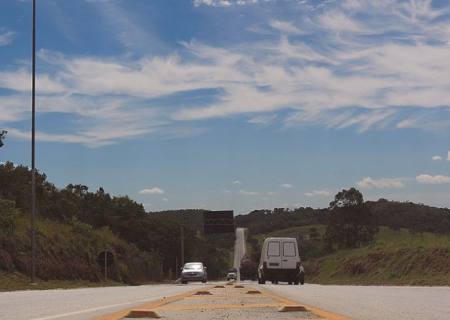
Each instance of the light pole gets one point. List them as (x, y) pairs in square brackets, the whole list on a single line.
[(33, 148)]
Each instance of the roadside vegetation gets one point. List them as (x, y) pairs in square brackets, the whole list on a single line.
[(74, 225), (356, 247), (351, 241)]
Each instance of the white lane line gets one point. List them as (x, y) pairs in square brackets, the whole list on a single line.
[(68, 314)]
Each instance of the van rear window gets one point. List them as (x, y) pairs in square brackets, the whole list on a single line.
[(273, 249), (289, 249)]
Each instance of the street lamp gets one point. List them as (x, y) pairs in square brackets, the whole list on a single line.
[(33, 148)]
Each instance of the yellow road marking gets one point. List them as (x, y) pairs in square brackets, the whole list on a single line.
[(280, 302), (317, 311), (150, 305)]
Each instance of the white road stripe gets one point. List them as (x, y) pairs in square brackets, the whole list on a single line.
[(62, 315)]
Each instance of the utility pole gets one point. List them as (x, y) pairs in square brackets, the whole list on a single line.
[(33, 148), (182, 244)]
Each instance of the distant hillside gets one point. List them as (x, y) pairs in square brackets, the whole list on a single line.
[(417, 217), (395, 257)]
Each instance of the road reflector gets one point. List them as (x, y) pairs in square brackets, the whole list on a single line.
[(203, 293), (253, 292), (143, 314), (292, 308)]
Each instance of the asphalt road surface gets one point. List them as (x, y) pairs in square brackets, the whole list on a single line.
[(239, 247), (356, 302), (81, 304), (373, 302)]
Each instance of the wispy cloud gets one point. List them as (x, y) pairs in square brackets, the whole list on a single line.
[(6, 37), (263, 119), (286, 186), (285, 26), (359, 79), (382, 183), (436, 158), (153, 190), (429, 179), (318, 193), (224, 3), (237, 182), (248, 193)]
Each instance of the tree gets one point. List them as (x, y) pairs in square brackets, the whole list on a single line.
[(350, 223), (2, 137)]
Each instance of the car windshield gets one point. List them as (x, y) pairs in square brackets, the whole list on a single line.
[(193, 266)]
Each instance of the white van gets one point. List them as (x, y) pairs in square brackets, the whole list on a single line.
[(280, 261)]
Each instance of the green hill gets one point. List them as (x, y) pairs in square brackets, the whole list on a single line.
[(68, 252), (395, 257)]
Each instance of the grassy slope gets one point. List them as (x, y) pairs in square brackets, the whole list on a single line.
[(67, 257), (395, 257)]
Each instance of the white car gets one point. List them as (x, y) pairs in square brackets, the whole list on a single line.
[(193, 271), (280, 261)]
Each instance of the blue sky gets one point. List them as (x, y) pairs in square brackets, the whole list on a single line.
[(233, 104)]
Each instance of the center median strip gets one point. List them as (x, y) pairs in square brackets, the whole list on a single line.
[(220, 301)]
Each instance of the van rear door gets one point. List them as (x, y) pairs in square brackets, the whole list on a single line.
[(289, 255), (274, 254)]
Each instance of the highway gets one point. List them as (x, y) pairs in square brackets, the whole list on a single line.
[(239, 247), (355, 302), (80, 304), (373, 302)]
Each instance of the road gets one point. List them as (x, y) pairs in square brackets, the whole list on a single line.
[(239, 247), (80, 304), (373, 302), (356, 302)]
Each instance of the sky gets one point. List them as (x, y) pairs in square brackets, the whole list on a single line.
[(233, 104)]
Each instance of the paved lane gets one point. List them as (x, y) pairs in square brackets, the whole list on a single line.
[(373, 302), (239, 247), (80, 304)]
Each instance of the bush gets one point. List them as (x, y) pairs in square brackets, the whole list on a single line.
[(8, 217)]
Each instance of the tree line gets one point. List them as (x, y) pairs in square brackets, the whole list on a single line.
[(157, 233)]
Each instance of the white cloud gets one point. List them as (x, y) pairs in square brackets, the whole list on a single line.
[(285, 26), (404, 64), (153, 190), (286, 186), (165, 199), (337, 21), (263, 119), (436, 158), (6, 37), (318, 193), (429, 179), (382, 183), (237, 182), (223, 3), (248, 193)]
